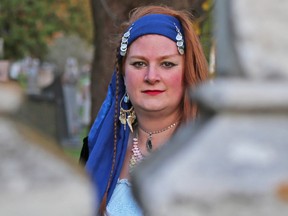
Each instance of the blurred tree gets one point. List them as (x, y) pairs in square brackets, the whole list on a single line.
[(27, 26), (108, 14), (204, 24)]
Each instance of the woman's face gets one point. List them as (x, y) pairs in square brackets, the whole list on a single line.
[(154, 73)]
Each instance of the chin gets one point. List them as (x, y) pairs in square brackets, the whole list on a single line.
[(154, 108)]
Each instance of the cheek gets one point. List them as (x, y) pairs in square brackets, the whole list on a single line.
[(127, 80), (176, 82), (131, 83)]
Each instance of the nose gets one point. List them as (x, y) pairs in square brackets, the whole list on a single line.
[(152, 75)]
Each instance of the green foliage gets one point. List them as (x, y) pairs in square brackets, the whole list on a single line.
[(205, 26), (27, 26)]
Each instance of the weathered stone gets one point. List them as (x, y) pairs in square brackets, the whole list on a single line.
[(235, 165), (260, 29), (237, 95), (35, 177), (11, 97), (234, 160)]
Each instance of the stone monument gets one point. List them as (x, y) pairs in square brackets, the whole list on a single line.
[(35, 176), (234, 160)]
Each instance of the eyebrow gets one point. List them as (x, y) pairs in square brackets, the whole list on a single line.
[(161, 57)]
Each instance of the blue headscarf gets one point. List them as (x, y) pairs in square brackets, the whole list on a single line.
[(101, 142), (102, 150)]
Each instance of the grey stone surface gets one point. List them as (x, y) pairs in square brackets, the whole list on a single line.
[(261, 31), (11, 98), (243, 95), (35, 176), (233, 166), (234, 160)]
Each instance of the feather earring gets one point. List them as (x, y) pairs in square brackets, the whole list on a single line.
[(127, 116)]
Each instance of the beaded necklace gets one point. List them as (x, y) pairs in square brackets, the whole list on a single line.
[(149, 145), (137, 155)]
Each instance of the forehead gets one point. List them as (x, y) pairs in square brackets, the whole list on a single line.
[(153, 44)]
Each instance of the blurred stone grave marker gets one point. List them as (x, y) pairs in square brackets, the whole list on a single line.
[(69, 85), (35, 177), (4, 70)]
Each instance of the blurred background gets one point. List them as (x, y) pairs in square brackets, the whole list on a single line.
[(56, 61), (59, 52)]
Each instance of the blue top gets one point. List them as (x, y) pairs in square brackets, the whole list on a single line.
[(122, 202)]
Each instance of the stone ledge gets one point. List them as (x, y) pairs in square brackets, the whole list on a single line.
[(242, 95)]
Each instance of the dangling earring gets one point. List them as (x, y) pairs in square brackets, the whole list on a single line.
[(126, 98), (127, 116)]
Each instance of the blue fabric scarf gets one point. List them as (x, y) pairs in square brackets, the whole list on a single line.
[(155, 24), (101, 135), (101, 143)]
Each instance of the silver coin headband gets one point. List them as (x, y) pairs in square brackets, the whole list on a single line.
[(160, 24), (124, 42), (180, 41)]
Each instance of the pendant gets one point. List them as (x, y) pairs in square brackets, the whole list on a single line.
[(149, 145), (130, 120)]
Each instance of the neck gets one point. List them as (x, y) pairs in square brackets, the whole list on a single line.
[(154, 132), (156, 122)]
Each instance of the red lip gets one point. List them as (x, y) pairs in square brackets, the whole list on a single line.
[(153, 92)]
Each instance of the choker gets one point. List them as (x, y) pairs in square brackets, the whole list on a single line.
[(149, 144)]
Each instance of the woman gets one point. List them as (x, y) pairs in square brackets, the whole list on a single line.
[(158, 59)]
